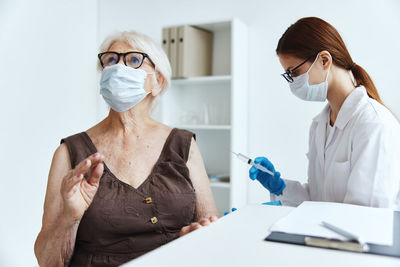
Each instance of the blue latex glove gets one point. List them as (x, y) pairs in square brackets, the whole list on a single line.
[(274, 184), (227, 212), (273, 203)]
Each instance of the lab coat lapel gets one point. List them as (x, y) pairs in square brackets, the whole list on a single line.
[(348, 109), (320, 133), (332, 132)]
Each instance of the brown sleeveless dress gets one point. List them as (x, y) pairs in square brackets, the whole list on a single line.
[(124, 222)]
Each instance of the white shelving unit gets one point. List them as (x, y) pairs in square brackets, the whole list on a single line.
[(205, 80), (215, 109)]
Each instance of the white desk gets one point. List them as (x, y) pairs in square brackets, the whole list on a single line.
[(238, 240)]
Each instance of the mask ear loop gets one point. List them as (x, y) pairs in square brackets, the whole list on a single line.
[(313, 63), (154, 79), (328, 69)]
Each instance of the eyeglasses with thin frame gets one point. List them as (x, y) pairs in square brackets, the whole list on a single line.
[(288, 74), (131, 59)]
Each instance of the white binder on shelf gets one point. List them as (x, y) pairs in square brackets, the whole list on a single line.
[(173, 50), (166, 41), (194, 52)]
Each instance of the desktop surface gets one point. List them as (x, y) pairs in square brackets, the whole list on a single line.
[(238, 240)]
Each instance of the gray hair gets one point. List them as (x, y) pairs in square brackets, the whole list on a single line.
[(146, 45)]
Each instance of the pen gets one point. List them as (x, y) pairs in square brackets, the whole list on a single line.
[(344, 233)]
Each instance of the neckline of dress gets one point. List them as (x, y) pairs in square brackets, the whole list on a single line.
[(94, 150)]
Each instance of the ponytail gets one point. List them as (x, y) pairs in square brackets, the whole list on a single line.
[(362, 78)]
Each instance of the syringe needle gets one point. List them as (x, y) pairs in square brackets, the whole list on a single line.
[(251, 162)]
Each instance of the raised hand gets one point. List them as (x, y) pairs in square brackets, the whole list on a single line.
[(76, 191)]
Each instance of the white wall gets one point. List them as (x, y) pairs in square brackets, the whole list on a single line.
[(48, 91), (279, 122)]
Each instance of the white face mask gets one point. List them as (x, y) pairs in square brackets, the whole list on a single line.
[(303, 90), (122, 87)]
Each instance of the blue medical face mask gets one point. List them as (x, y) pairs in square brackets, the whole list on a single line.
[(122, 87), (314, 92)]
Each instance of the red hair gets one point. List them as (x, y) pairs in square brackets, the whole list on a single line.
[(311, 35)]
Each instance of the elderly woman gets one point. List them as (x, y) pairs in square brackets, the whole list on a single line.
[(129, 184)]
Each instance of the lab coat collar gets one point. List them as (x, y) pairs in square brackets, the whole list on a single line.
[(350, 106), (348, 109), (323, 116)]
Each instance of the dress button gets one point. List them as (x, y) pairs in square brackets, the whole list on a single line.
[(154, 220), (148, 200)]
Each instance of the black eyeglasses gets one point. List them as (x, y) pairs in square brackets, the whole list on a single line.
[(131, 59), (288, 75)]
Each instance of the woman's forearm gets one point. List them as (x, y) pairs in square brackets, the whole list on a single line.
[(54, 246)]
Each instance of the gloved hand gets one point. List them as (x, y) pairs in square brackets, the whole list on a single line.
[(274, 184)]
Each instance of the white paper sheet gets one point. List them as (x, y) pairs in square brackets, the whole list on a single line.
[(372, 225)]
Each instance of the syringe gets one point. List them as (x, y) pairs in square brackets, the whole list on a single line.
[(251, 162)]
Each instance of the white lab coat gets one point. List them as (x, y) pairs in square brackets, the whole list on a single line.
[(358, 163)]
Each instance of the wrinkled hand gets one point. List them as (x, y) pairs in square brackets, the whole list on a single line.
[(76, 191), (196, 225), (274, 183)]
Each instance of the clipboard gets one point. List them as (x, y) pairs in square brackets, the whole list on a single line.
[(393, 251)]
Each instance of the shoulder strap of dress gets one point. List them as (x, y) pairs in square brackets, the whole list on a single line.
[(178, 144), (79, 147)]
